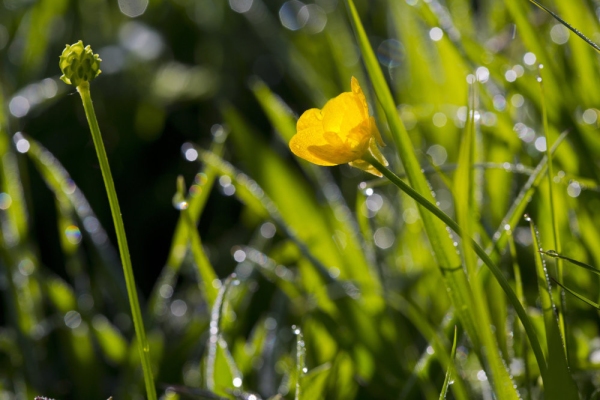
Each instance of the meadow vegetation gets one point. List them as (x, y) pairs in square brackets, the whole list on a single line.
[(460, 260)]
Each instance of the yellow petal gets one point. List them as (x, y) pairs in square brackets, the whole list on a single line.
[(309, 133), (345, 112), (336, 151), (339, 133)]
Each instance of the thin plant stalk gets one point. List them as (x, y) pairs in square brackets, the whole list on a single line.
[(138, 323)]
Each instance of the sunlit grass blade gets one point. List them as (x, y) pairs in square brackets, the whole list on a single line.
[(206, 272), (567, 25), (554, 254), (314, 382), (467, 213), (439, 344), (196, 200), (254, 197), (580, 297), (70, 197), (221, 372), (448, 373), (300, 361), (552, 194), (558, 382), (441, 243), (501, 236), (511, 296), (517, 208), (280, 275), (299, 209)]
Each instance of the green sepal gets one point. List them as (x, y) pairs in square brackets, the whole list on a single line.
[(79, 64)]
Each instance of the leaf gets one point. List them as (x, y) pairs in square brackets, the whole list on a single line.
[(448, 373), (558, 381)]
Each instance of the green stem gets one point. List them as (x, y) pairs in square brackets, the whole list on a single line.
[(138, 323), (512, 297)]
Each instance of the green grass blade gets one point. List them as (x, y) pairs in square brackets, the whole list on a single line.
[(552, 253), (221, 372), (511, 296), (439, 344), (198, 195), (553, 215), (516, 210), (466, 210), (300, 361), (567, 25), (580, 297), (448, 373), (441, 242), (299, 210), (558, 382), (205, 270)]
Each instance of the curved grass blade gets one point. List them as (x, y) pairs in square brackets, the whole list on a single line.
[(70, 197), (221, 371), (300, 361), (574, 293), (552, 194), (554, 254), (500, 237), (280, 275), (464, 189), (439, 344), (566, 24), (512, 297), (558, 381), (448, 373), (441, 243), (196, 200)]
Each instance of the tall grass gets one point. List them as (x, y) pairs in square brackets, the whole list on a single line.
[(427, 283)]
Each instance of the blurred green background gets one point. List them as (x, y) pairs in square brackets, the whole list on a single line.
[(182, 75)]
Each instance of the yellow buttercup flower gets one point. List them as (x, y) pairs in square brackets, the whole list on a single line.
[(342, 132)]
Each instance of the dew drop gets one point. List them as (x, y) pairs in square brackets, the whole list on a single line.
[(552, 253), (527, 217)]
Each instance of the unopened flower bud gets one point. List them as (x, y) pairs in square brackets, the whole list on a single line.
[(79, 64)]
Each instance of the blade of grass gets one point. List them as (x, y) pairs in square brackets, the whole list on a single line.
[(554, 254), (512, 298), (205, 270), (558, 382), (439, 344), (299, 209), (553, 215), (580, 297), (466, 210), (448, 373), (196, 201), (70, 195), (441, 242), (300, 361), (501, 236), (566, 24)]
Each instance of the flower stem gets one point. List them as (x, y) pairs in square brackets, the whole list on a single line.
[(138, 323), (510, 294)]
